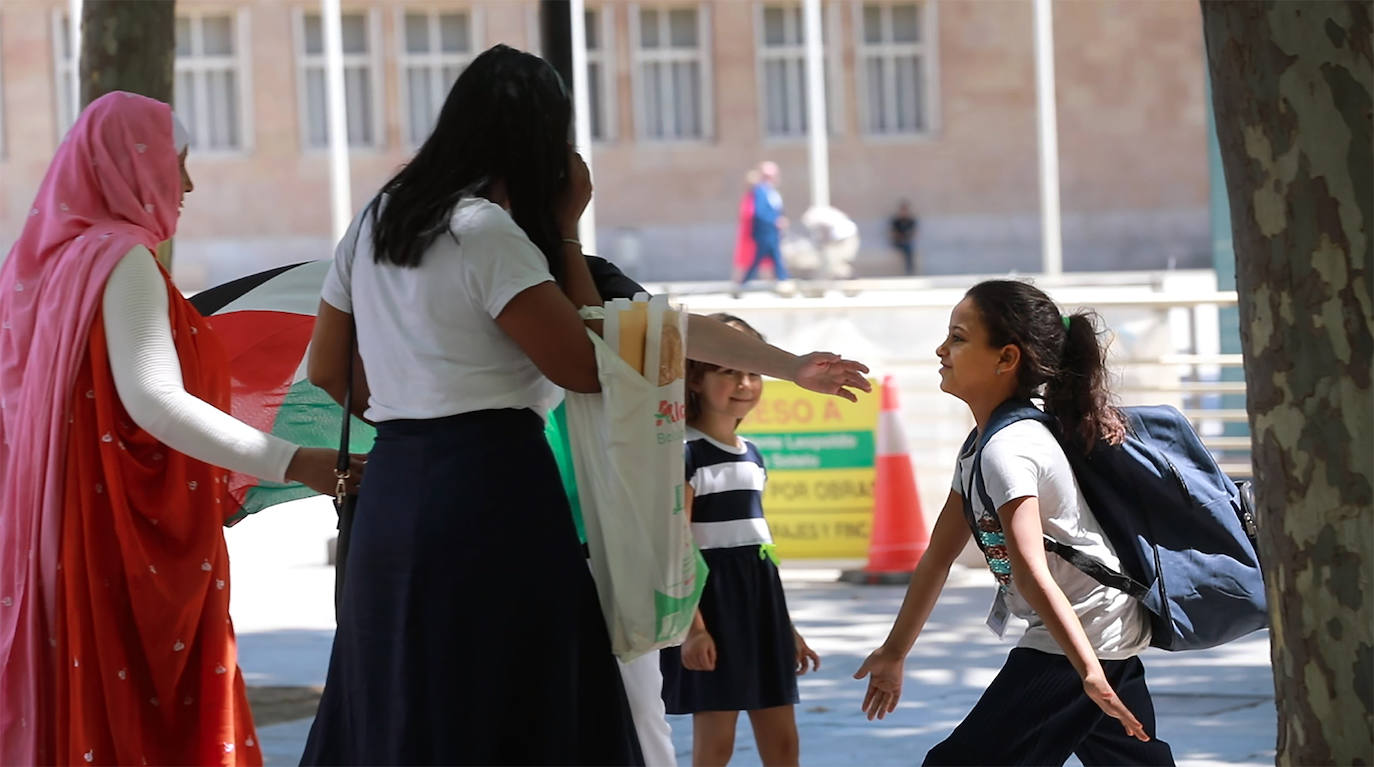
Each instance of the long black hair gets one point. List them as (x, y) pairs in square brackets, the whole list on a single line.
[(505, 119), (1062, 360)]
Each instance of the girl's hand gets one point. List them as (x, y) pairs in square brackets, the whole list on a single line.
[(884, 669), (1100, 690), (699, 652), (829, 374), (805, 654), (576, 196)]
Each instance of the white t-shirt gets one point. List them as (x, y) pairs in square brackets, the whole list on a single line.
[(427, 334), (1024, 459)]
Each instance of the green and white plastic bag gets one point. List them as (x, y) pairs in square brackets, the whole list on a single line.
[(627, 450)]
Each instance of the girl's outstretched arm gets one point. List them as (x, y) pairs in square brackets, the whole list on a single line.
[(1031, 573), (885, 665)]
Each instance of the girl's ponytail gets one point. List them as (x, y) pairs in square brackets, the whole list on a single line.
[(1077, 392), (1062, 360)]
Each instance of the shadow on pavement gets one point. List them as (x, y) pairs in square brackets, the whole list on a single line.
[(1214, 707)]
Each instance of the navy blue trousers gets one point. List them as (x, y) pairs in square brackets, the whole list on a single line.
[(469, 628), (766, 249), (1036, 713)]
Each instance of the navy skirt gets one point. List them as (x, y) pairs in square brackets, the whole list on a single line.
[(756, 656), (469, 629)]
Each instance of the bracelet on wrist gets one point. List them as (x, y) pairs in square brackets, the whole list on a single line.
[(572, 241)]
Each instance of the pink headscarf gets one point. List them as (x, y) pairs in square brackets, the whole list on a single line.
[(113, 184)]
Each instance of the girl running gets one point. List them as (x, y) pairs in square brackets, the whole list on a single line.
[(1074, 683)]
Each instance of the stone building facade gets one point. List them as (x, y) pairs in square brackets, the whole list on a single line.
[(933, 101)]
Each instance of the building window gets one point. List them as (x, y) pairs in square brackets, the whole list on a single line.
[(362, 89), (895, 67), (600, 73), (64, 74), (672, 77), (782, 72), (435, 48), (210, 76)]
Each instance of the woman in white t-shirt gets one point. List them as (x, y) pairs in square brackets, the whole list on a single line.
[(1074, 683), (469, 630)]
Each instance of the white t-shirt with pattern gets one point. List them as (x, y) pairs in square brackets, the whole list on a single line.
[(1025, 460)]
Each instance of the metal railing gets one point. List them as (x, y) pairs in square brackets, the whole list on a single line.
[(1211, 399)]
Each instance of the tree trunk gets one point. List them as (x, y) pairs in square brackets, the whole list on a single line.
[(1292, 88), (555, 29), (129, 45)]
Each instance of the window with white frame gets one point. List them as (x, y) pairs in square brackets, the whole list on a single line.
[(435, 48), (64, 73), (672, 77), (362, 90), (600, 73), (782, 72), (209, 84), (895, 67)]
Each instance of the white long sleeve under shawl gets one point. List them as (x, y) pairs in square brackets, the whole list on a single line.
[(147, 375)]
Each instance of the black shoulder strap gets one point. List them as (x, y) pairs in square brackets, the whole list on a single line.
[(1005, 415), (1089, 566), (1098, 571), (341, 469), (969, 445)]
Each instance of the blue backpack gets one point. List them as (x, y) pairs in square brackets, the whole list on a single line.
[(1184, 532)]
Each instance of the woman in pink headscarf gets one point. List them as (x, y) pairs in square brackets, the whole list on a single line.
[(115, 640)]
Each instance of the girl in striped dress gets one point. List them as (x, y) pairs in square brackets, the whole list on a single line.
[(742, 653)]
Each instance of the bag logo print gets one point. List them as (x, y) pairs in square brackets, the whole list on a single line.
[(669, 412)]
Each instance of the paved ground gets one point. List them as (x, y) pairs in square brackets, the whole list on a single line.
[(1214, 707)]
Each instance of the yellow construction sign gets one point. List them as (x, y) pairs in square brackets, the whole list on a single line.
[(819, 451)]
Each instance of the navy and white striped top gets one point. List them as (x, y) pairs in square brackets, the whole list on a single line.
[(727, 485)]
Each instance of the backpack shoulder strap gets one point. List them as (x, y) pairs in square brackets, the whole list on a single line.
[(964, 451), (1005, 415), (1096, 570)]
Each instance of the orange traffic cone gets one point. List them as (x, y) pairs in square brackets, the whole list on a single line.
[(899, 536)]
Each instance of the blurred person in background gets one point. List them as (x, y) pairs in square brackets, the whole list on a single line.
[(767, 224), (744, 233), (902, 233), (835, 238)]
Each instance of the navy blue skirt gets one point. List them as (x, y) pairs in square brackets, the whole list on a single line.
[(469, 629), (756, 656)]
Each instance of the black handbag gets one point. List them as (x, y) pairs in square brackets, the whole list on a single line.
[(344, 501)]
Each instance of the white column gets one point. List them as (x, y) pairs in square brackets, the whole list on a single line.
[(340, 181), (74, 36), (582, 117), (817, 125), (1047, 128)]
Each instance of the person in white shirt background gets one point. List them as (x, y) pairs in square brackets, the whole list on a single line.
[(835, 239)]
